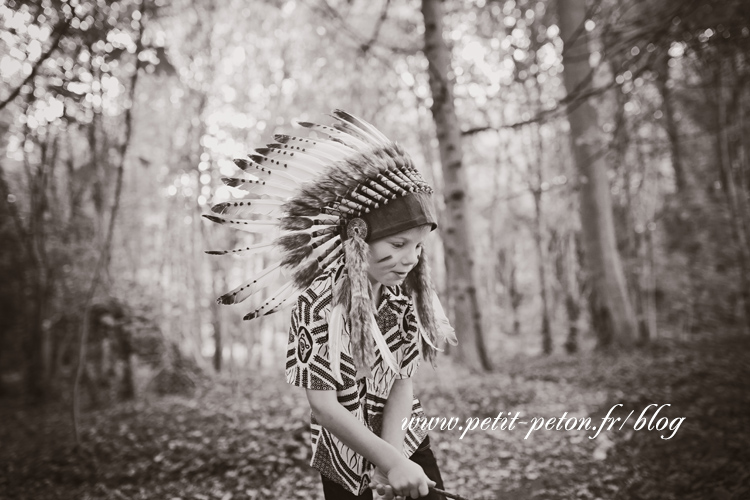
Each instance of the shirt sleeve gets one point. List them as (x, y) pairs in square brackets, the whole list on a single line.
[(410, 337), (307, 361)]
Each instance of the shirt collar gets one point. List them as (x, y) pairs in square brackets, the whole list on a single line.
[(394, 294)]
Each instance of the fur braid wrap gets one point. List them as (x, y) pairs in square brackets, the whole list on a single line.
[(419, 286), (361, 309)]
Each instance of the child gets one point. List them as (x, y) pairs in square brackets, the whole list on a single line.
[(359, 422), (356, 222)]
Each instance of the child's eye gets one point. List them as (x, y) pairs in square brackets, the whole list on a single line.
[(397, 245)]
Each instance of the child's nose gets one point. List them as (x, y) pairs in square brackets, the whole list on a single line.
[(411, 258)]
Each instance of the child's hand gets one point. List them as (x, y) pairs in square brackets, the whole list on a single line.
[(407, 479), (381, 490)]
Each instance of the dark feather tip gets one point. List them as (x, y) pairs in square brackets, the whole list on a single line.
[(252, 315), (220, 208), (213, 218), (257, 158), (340, 113), (281, 138), (242, 163), (225, 300), (261, 151), (231, 181), (216, 252)]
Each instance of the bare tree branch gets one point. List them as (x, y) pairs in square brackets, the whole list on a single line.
[(328, 11), (61, 28), (379, 24)]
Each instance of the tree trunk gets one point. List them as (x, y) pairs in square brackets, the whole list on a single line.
[(670, 124), (36, 344), (216, 323), (505, 273), (566, 269), (541, 267), (457, 231), (536, 146), (611, 311), (730, 189)]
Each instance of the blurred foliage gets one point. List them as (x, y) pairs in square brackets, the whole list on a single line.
[(218, 77), (253, 442)]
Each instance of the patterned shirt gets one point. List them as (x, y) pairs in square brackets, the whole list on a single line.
[(308, 366)]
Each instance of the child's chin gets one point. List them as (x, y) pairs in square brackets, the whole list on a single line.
[(394, 281)]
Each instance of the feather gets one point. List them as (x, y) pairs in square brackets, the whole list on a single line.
[(380, 341), (330, 255), (266, 173), (262, 280), (305, 204), (289, 242), (306, 272), (419, 285), (259, 187), (354, 129), (289, 158), (347, 139), (251, 250), (283, 301), (298, 223), (241, 209), (294, 256), (422, 330), (274, 302), (394, 183), (400, 179), (336, 327), (250, 226), (325, 150), (279, 163), (298, 254), (362, 125), (295, 223), (444, 325)]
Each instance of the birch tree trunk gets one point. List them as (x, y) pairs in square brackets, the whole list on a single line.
[(611, 311), (457, 229)]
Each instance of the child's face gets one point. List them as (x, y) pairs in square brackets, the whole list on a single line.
[(392, 257)]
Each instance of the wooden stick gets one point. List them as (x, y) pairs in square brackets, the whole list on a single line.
[(447, 494)]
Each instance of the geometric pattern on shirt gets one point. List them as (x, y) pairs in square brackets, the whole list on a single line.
[(364, 398)]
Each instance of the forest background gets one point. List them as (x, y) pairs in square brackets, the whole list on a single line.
[(591, 169)]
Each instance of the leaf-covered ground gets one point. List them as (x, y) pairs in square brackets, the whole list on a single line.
[(252, 443)]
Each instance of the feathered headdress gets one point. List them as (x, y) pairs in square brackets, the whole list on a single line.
[(320, 200)]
